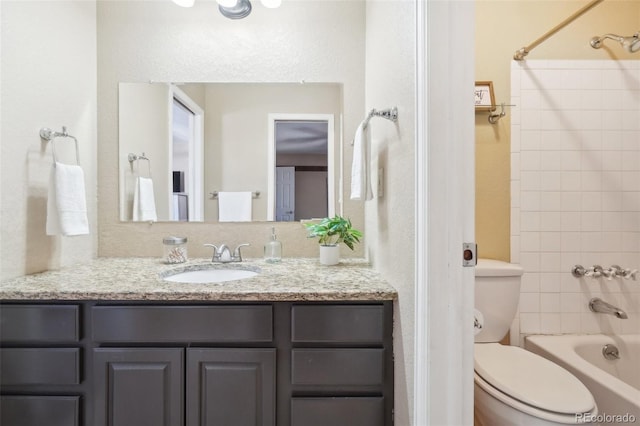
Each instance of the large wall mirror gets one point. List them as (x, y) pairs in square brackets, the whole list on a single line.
[(229, 151)]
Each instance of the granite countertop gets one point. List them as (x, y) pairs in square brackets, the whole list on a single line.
[(141, 279)]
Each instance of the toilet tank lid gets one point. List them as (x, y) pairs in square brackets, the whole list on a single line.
[(497, 268)]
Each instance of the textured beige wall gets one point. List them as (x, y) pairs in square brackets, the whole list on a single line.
[(48, 80), (502, 27), (390, 81), (142, 41)]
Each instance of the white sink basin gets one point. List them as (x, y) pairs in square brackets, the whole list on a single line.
[(210, 275)]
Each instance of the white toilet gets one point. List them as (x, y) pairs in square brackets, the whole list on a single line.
[(512, 385)]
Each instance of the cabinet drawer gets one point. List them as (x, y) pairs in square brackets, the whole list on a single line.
[(39, 410), (337, 411), (338, 369), (39, 323), (188, 324), (40, 366), (362, 324)]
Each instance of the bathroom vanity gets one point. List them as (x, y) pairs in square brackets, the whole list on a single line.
[(142, 351)]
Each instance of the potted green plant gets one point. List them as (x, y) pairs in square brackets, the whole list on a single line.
[(331, 231)]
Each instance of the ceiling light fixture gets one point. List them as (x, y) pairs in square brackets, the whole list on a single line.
[(234, 9)]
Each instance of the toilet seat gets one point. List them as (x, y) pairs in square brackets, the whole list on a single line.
[(530, 383)]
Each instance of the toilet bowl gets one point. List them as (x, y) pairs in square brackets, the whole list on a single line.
[(513, 386)]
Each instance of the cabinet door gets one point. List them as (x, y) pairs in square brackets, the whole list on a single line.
[(234, 387), (138, 387)]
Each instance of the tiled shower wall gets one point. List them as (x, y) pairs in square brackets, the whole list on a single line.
[(575, 192)]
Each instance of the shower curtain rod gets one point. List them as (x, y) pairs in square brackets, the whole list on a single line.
[(521, 53)]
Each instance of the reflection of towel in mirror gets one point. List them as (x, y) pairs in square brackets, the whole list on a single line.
[(360, 174), (67, 204), (234, 206), (144, 202)]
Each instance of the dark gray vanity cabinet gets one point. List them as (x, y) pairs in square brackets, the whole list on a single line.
[(40, 365), (146, 387), (107, 363), (199, 366), (341, 365)]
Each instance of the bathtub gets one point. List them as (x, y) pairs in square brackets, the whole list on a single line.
[(615, 384)]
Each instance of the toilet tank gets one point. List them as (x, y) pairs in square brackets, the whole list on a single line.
[(497, 293)]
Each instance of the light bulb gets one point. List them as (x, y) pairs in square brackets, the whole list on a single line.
[(227, 3), (272, 4), (184, 3)]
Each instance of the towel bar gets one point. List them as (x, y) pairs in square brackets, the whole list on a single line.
[(214, 195)]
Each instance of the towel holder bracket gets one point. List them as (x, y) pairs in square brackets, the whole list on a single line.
[(389, 113)]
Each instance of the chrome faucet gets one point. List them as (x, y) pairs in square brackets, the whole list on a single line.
[(223, 253), (598, 305)]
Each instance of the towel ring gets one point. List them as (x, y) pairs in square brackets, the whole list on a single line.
[(134, 157), (50, 136), (389, 113)]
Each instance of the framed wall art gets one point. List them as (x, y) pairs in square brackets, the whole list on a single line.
[(484, 97)]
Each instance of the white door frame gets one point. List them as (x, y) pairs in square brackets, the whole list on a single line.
[(445, 150), (271, 158)]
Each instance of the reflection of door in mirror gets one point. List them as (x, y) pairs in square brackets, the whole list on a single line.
[(302, 145), (186, 158), (285, 193)]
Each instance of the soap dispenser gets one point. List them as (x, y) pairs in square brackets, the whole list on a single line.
[(273, 248)]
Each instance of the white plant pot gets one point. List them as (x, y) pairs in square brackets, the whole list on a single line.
[(329, 255)]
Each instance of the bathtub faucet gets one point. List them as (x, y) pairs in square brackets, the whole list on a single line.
[(598, 305)]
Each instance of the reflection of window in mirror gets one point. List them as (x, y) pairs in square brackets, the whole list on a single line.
[(302, 166)]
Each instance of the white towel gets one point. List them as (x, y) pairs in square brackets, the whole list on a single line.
[(67, 204), (144, 202), (234, 206), (360, 174)]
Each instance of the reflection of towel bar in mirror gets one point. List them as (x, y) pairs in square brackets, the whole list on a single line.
[(214, 195), (50, 136)]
